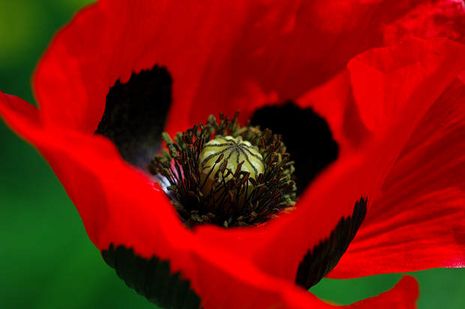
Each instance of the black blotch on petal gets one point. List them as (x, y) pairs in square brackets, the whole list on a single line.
[(306, 135), (320, 260), (151, 278), (135, 114)]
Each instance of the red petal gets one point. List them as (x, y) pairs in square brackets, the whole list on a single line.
[(70, 82), (120, 206), (402, 296), (440, 18), (418, 221), (307, 42), (278, 247), (216, 52), (81, 161), (108, 41)]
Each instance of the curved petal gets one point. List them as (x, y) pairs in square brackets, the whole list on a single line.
[(74, 56), (216, 51), (314, 41), (400, 74), (280, 246), (418, 220), (110, 40), (91, 164), (122, 207), (65, 63), (402, 296)]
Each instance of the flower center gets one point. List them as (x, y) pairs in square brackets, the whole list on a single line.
[(225, 174)]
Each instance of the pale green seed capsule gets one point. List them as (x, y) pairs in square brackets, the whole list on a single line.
[(232, 151)]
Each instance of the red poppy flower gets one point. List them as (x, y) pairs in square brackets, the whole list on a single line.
[(373, 93)]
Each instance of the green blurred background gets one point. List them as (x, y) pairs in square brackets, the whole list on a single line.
[(46, 259)]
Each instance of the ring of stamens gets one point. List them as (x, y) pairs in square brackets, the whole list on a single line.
[(225, 174)]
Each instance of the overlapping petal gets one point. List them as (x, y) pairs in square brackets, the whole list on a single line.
[(417, 221), (219, 53), (141, 218), (359, 171)]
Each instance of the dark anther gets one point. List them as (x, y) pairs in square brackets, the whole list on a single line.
[(135, 114), (151, 278), (320, 260), (306, 135)]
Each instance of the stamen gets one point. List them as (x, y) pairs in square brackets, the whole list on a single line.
[(225, 174)]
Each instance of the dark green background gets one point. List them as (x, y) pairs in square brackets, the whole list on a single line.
[(46, 259)]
